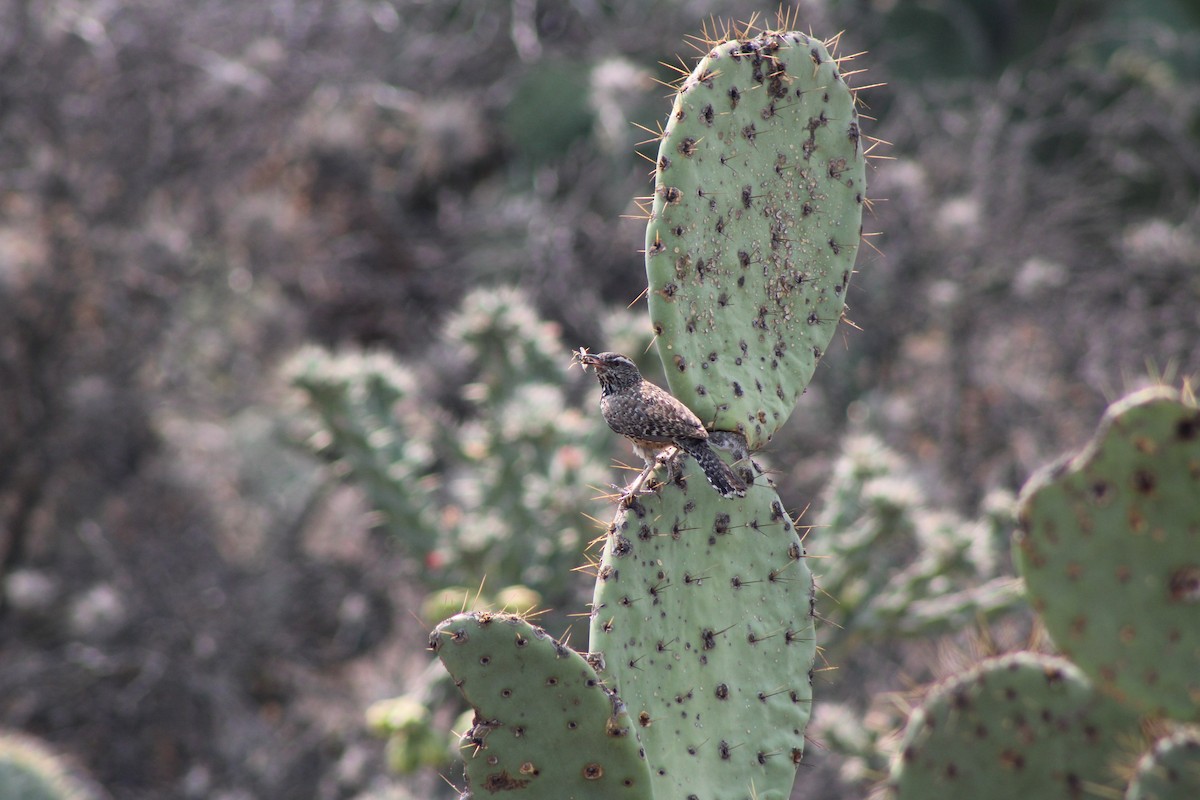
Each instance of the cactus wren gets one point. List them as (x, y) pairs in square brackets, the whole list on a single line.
[(653, 420)]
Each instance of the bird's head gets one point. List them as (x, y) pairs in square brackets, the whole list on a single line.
[(613, 369)]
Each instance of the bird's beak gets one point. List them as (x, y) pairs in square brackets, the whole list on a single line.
[(585, 358)]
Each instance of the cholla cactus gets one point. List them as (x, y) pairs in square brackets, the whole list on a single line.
[(494, 486), (889, 566)]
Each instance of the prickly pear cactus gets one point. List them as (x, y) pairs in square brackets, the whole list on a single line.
[(702, 622), (1109, 547), (29, 771), (1169, 771), (545, 725), (754, 228), (1021, 725)]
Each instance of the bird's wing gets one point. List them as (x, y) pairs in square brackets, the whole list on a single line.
[(668, 417)]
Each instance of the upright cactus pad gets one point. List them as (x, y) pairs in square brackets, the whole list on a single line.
[(545, 726), (754, 229), (1021, 725), (1109, 546), (702, 622)]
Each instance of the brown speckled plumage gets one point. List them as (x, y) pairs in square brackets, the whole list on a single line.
[(653, 420)]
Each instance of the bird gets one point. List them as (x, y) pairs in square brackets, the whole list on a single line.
[(654, 420)]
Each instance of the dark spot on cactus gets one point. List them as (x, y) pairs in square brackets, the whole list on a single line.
[(701, 391), (669, 290), (593, 772), (521, 641), (657, 247), (687, 147), (506, 693), (778, 388), (671, 194), (680, 363), (664, 163), (806, 209), (1187, 429), (706, 78), (723, 750), (734, 97), (813, 319), (750, 132), (776, 87), (738, 360), (794, 551), (858, 198), (762, 757), (607, 626), (767, 113), (852, 133), (689, 506), (1144, 481), (644, 532), (679, 114), (503, 782), (708, 639), (1013, 760), (1184, 585), (722, 691), (747, 196), (572, 725), (459, 636), (678, 230), (735, 582), (658, 329), (707, 114), (605, 572), (835, 247), (622, 547), (836, 167)]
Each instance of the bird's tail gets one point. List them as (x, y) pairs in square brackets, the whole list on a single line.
[(719, 474)]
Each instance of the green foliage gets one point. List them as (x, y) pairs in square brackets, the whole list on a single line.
[(890, 567), (1109, 546), (758, 196), (1021, 725), (545, 724)]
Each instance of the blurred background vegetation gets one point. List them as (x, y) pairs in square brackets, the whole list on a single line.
[(243, 244)]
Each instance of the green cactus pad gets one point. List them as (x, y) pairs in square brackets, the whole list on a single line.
[(754, 228), (545, 726), (1021, 725), (1109, 547), (30, 771), (1170, 771), (702, 622)]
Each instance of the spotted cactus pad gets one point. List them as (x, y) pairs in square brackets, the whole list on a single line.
[(754, 229), (1109, 547)]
